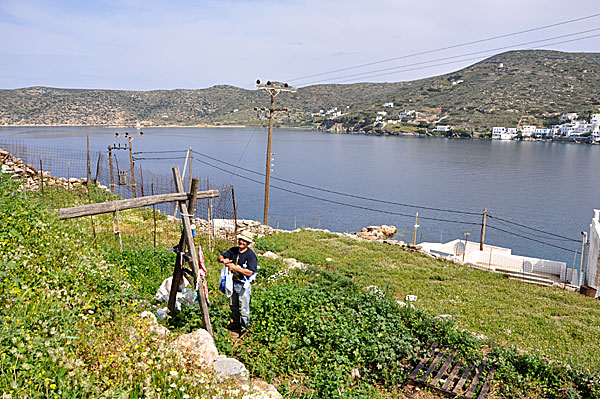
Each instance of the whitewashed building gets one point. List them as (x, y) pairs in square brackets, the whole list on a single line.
[(568, 117), (442, 128), (528, 130)]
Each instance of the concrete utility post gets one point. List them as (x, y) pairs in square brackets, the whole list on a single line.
[(273, 88)]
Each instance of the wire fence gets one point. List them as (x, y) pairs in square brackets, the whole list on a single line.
[(213, 218)]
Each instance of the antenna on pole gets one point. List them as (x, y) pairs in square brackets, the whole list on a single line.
[(273, 88)]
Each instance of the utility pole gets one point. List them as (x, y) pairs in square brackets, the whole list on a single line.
[(130, 139), (112, 179), (416, 227), (466, 241), (483, 229), (273, 88)]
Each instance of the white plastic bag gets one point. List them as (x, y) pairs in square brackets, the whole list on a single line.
[(226, 281)]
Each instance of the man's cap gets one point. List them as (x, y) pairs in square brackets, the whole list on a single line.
[(246, 236)]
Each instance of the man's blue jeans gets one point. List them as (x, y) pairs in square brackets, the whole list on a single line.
[(240, 304)]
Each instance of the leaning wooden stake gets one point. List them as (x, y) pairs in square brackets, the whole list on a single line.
[(179, 262), (189, 240)]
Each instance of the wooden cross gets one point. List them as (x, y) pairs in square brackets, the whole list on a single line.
[(187, 213), (186, 236)]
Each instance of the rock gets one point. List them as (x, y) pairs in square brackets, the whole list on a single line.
[(388, 231), (199, 344), (293, 263), (150, 318), (270, 255), (366, 236), (267, 390), (444, 317), (230, 367)]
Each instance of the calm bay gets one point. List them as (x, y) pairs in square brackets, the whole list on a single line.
[(551, 187)]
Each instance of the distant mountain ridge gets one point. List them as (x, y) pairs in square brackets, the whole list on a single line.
[(525, 86)]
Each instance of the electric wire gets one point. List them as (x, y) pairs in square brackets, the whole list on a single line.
[(243, 153), (500, 220), (337, 202), (531, 228), (447, 47), (529, 238), (341, 193), (361, 74)]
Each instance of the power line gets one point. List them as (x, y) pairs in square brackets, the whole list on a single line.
[(532, 228), (380, 201), (447, 47), (341, 193), (338, 202), (529, 238), (243, 152), (459, 56)]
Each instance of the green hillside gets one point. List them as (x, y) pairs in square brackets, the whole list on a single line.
[(69, 301), (531, 86)]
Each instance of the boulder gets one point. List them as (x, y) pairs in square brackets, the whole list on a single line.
[(199, 344), (230, 367)]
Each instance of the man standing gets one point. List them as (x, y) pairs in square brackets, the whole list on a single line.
[(243, 264)]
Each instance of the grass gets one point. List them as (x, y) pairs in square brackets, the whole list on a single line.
[(548, 321), (69, 301)]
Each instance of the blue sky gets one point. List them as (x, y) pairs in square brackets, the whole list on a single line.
[(156, 44)]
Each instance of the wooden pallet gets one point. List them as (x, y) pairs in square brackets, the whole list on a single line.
[(439, 372)]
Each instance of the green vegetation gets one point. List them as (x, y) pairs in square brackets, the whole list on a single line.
[(69, 306)]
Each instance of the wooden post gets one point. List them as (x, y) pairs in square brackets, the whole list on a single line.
[(235, 229), (268, 163), (142, 180), (154, 216), (68, 175), (483, 229), (42, 178), (189, 240), (91, 217), (416, 227), (131, 166), (112, 178), (97, 167), (190, 174), (89, 171)]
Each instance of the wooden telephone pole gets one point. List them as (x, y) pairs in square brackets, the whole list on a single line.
[(483, 221), (273, 88)]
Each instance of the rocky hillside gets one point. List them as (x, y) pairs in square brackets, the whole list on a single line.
[(529, 86)]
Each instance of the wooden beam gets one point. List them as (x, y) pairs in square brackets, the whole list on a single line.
[(119, 205)]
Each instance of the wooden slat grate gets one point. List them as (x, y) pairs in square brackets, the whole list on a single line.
[(475, 379)]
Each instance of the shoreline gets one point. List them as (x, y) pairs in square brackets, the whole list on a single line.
[(306, 128)]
